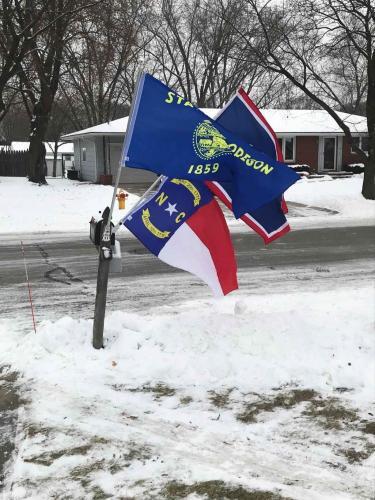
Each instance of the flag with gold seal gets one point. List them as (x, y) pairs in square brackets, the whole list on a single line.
[(168, 135)]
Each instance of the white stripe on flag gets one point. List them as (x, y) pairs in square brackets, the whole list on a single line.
[(196, 260)]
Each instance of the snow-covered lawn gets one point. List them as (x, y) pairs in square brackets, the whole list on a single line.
[(340, 195), (62, 205), (65, 205), (268, 392), (265, 396)]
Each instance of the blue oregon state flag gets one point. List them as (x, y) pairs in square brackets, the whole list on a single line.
[(184, 226), (169, 136), (242, 117)]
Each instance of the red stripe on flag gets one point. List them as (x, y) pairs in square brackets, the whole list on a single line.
[(267, 126), (215, 236), (279, 154), (267, 238)]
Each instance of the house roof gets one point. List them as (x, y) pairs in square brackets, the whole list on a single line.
[(283, 122)]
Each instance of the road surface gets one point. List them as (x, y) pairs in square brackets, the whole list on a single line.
[(63, 270)]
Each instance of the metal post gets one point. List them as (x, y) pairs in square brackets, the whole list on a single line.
[(101, 284), (105, 255)]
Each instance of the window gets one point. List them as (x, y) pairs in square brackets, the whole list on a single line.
[(288, 147), (83, 154), (360, 142)]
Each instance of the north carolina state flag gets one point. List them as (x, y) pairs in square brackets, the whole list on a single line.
[(184, 226)]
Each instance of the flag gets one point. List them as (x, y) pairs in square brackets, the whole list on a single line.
[(242, 117), (168, 135), (183, 225)]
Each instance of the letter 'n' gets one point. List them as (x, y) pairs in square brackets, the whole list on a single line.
[(161, 198)]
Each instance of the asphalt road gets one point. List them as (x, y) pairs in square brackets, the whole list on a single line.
[(63, 270)]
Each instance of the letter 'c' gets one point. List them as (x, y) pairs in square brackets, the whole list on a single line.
[(180, 216)]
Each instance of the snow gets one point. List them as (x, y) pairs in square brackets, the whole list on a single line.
[(340, 195), (312, 122), (167, 398), (62, 205), (269, 389), (71, 204), (282, 121), (66, 148)]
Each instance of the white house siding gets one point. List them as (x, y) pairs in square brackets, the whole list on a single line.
[(77, 155), (49, 162), (99, 157), (87, 167), (128, 175)]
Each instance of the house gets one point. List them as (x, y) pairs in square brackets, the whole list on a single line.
[(65, 155), (309, 137)]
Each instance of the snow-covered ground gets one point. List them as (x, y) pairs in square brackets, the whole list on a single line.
[(65, 205), (268, 393), (263, 395), (61, 205), (339, 195)]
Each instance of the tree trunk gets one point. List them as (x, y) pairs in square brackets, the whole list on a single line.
[(55, 149), (368, 187), (37, 151)]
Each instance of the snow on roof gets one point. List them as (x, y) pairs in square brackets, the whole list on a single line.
[(312, 121), (283, 121), (115, 127)]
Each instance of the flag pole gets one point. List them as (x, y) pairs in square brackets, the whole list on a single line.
[(105, 256)]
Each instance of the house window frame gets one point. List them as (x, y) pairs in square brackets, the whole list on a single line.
[(283, 140), (359, 137), (83, 154)]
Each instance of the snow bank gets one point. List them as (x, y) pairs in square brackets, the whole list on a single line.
[(341, 195), (140, 414), (320, 340), (62, 205)]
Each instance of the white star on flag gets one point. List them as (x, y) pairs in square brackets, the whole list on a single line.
[(171, 208)]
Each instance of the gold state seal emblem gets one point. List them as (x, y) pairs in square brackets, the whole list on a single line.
[(209, 142)]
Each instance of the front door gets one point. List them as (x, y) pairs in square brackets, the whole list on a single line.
[(329, 154)]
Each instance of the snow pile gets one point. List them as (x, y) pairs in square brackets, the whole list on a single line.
[(341, 195), (166, 400), (255, 343), (62, 205)]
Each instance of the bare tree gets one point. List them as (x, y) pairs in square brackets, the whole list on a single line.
[(59, 123), (98, 59), (195, 48), (299, 41), (17, 30), (40, 68)]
